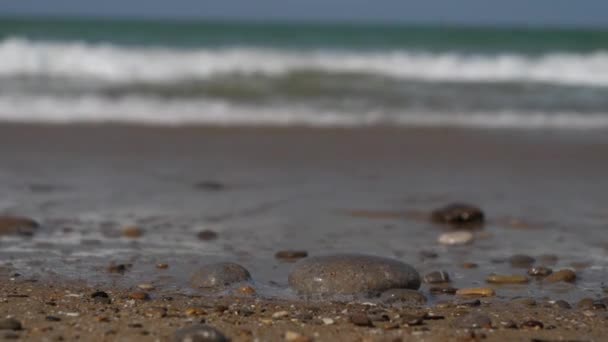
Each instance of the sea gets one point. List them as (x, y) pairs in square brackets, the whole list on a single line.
[(310, 74)]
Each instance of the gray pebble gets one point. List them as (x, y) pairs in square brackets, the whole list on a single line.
[(199, 333), (402, 296), (473, 321), (219, 275), (10, 324), (351, 274)]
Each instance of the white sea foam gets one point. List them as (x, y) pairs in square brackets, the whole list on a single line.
[(155, 111), (111, 63)]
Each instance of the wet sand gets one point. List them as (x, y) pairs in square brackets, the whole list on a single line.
[(262, 190)]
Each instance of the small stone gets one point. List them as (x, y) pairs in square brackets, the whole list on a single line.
[(468, 303), (437, 277), (469, 265), (52, 319), (402, 296), (219, 275), (532, 324), (562, 304), (156, 312), (118, 268), (10, 324), (207, 235), (508, 324), (280, 314), (247, 290), (162, 266), (476, 291), (539, 271), (101, 297), (506, 279), (360, 319), (458, 214), (473, 321), (195, 312), (351, 274), (132, 232), (327, 321), (292, 336), (290, 255), (146, 287), (455, 238), (561, 275), (139, 296), (199, 333), (17, 225), (521, 261)]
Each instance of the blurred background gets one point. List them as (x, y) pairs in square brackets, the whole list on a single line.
[(479, 63)]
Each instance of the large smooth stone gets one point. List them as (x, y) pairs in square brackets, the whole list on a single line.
[(218, 275), (351, 274)]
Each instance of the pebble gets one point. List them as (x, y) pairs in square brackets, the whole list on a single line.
[(10, 324), (247, 290), (327, 321), (292, 336), (280, 314), (52, 318), (351, 274), (521, 261), (162, 266), (458, 214), (146, 287), (534, 324), (455, 238), (476, 291), (207, 235), (585, 303), (17, 225), (506, 279), (139, 295), (101, 297), (562, 304), (508, 324), (539, 271), (469, 265), (360, 319), (132, 232), (473, 321), (561, 275), (291, 255), (403, 296), (120, 268), (437, 277), (199, 333), (219, 275)]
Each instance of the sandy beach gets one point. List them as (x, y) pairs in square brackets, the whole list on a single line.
[(114, 195)]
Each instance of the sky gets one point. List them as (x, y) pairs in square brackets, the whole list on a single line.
[(583, 13)]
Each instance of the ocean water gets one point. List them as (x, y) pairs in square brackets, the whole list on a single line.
[(219, 73)]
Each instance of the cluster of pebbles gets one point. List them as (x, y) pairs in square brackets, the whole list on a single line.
[(388, 281)]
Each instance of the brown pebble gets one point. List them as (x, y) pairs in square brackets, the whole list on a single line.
[(162, 266), (195, 312), (290, 255), (156, 312), (207, 235), (247, 290), (360, 319), (562, 304), (458, 214), (292, 336), (506, 279), (561, 275), (539, 271), (139, 295), (10, 324), (469, 265), (476, 291), (119, 268), (132, 232), (508, 324)]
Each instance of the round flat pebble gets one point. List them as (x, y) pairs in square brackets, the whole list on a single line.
[(455, 238), (561, 275), (219, 275), (351, 274)]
